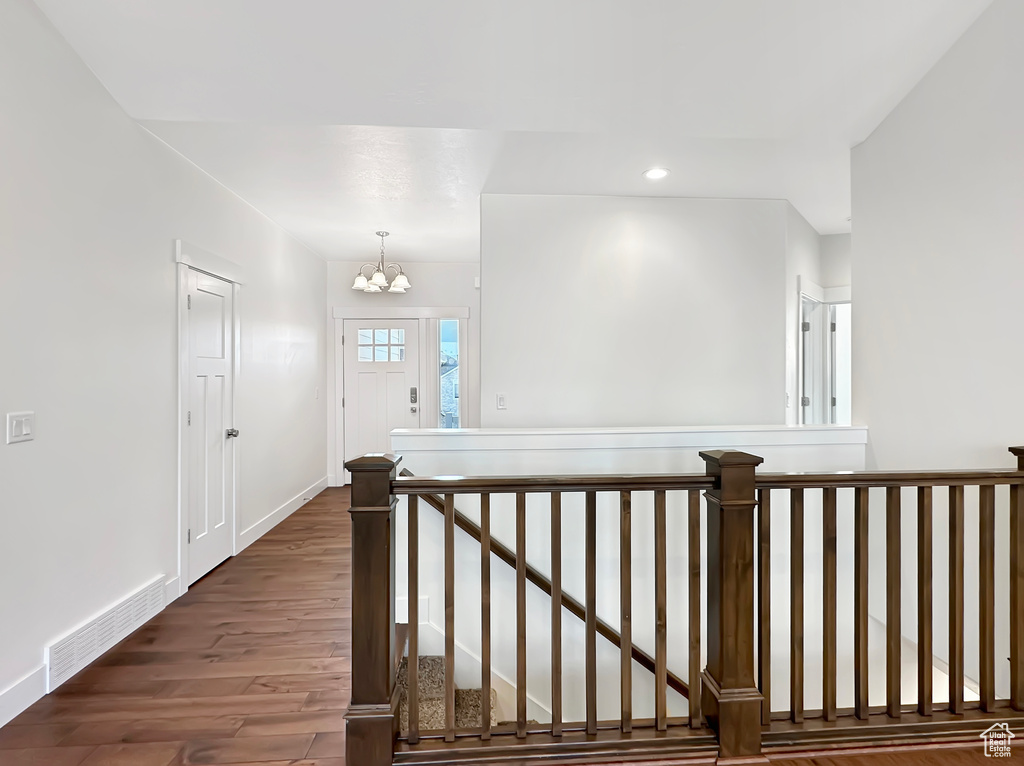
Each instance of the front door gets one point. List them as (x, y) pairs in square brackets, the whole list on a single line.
[(211, 496), (381, 382)]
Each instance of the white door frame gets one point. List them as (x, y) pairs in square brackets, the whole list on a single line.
[(428, 387), (826, 296), (188, 256)]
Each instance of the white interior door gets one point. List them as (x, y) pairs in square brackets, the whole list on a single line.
[(382, 389), (815, 397), (211, 493)]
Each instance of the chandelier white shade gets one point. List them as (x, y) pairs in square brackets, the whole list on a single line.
[(378, 280)]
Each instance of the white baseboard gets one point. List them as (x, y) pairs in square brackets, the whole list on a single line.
[(271, 520), (88, 640), (19, 695), (172, 589), (332, 481), (402, 609)]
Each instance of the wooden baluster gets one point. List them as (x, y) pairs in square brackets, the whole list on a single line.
[(693, 600), (591, 611), (828, 691), (924, 600), (796, 600), (860, 603), (730, 700), (764, 602), (987, 595), (369, 723), (449, 618), (485, 615), (956, 600), (893, 616), (661, 615), (520, 614), (556, 614), (625, 610), (412, 665)]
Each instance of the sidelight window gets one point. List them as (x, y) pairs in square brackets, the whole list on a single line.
[(448, 368)]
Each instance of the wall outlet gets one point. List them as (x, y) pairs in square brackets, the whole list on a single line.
[(502, 405), (21, 427)]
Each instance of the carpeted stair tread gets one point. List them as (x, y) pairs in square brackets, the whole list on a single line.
[(468, 702), (431, 676)]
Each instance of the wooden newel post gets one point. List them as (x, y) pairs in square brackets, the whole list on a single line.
[(1017, 587), (729, 696), (370, 723)]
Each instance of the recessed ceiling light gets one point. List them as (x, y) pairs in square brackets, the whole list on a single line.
[(655, 174)]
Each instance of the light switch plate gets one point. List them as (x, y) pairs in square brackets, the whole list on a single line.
[(502, 404), (21, 427)]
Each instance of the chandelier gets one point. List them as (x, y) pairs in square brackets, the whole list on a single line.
[(378, 279)]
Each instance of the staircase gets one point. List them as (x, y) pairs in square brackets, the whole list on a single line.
[(468, 702)]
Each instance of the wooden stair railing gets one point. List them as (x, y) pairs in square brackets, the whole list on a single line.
[(734, 692), (813, 494), (574, 607)]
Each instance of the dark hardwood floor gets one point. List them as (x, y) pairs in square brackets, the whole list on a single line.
[(949, 754), (250, 666)]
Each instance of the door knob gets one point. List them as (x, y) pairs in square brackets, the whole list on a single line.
[(231, 432), (412, 409)]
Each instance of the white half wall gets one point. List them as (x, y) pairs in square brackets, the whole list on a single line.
[(521, 452), (938, 211), (90, 206), (632, 311)]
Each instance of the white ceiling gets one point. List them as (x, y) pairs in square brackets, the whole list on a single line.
[(337, 117)]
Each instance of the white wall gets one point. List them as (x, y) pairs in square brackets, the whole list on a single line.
[(836, 254), (621, 311), (433, 285), (90, 205), (938, 208)]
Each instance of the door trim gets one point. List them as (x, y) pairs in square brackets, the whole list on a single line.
[(178, 585), (401, 312), (207, 262)]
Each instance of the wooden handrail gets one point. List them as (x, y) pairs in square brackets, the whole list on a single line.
[(534, 576), (887, 479), (415, 485), (409, 484)]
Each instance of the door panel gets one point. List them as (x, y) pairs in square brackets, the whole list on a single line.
[(381, 369), (210, 415), (366, 406)]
